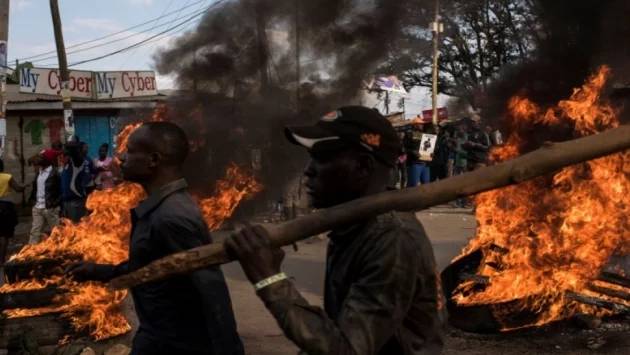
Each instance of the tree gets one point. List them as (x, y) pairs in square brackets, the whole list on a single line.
[(481, 38)]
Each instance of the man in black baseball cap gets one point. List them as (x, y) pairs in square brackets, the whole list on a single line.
[(382, 293), (350, 126)]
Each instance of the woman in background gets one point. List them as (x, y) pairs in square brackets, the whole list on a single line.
[(8, 213), (105, 178)]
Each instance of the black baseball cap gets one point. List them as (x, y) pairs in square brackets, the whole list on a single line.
[(350, 126)]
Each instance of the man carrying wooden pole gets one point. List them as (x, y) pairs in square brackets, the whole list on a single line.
[(382, 288)]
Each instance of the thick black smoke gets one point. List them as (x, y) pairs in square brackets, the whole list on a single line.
[(574, 38), (218, 68)]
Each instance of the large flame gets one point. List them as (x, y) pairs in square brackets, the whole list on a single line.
[(560, 231), (103, 237)]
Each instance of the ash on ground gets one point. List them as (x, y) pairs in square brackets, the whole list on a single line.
[(609, 336)]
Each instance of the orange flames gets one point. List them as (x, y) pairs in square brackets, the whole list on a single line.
[(121, 139), (103, 237), (560, 231)]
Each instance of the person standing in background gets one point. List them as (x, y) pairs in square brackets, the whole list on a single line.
[(478, 145), (90, 173), (291, 197), (47, 193), (73, 194), (440, 155), (8, 213), (451, 144), (105, 178), (61, 159), (461, 158), (417, 170), (401, 164)]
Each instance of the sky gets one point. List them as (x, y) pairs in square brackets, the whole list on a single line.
[(31, 34)]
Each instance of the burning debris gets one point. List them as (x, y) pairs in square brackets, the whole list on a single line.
[(541, 245)]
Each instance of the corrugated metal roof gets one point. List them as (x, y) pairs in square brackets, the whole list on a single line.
[(15, 96)]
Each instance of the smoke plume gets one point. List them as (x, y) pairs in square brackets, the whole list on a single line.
[(238, 77)]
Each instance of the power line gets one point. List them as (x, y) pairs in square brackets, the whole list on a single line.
[(113, 34), (112, 41), (154, 40), (187, 1), (150, 38), (154, 24)]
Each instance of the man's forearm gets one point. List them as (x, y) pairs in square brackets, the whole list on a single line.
[(307, 326)]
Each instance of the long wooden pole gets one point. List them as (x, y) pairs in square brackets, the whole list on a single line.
[(63, 70), (549, 158)]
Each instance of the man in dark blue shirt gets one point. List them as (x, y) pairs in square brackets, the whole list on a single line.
[(185, 315), (73, 193), (90, 171)]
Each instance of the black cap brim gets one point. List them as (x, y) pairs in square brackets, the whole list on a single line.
[(308, 136)]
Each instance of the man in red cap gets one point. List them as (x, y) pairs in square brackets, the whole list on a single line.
[(47, 194)]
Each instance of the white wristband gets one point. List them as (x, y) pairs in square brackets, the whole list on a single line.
[(270, 280)]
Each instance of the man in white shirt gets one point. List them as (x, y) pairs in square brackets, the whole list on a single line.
[(47, 194)]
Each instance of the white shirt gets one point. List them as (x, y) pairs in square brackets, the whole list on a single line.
[(41, 187)]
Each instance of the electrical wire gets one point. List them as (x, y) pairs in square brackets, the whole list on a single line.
[(153, 47), (147, 40), (112, 41), (154, 24), (111, 34)]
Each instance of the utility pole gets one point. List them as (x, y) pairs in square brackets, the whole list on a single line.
[(4, 38), (297, 55), (68, 116), (437, 27), (262, 46)]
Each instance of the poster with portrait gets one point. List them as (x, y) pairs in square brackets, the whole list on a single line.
[(427, 146), (3, 56)]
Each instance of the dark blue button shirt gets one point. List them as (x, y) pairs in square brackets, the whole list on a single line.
[(187, 313)]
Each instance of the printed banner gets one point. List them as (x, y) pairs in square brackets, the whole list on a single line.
[(88, 85), (115, 85), (48, 82), (387, 83), (68, 123), (427, 115), (427, 146), (3, 56)]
